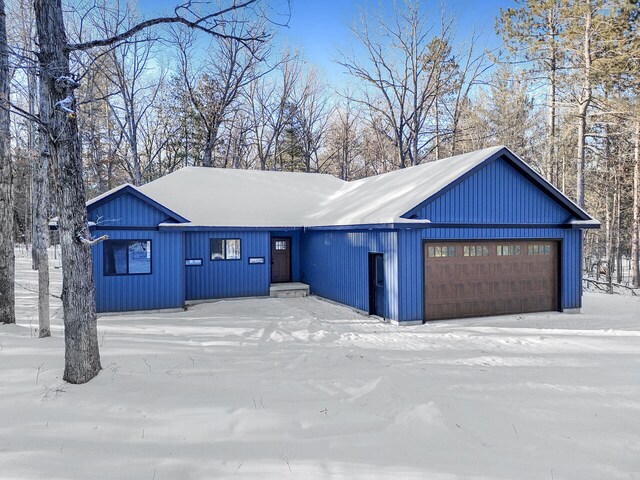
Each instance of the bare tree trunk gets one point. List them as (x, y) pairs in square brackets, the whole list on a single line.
[(137, 168), (618, 221), (32, 142), (609, 209), (635, 230), (436, 107), (41, 233), (95, 149), (7, 255), (58, 118), (583, 106), (582, 130), (40, 199), (551, 145), (207, 154), (212, 139)]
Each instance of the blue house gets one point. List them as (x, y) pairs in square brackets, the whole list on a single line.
[(475, 234)]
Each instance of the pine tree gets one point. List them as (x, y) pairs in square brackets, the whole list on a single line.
[(532, 31)]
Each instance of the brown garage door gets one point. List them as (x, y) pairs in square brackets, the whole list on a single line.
[(469, 279)]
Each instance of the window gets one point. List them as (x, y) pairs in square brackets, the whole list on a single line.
[(281, 244), (475, 251), (508, 250), (379, 271), (127, 257), (224, 249), (442, 251), (539, 250)]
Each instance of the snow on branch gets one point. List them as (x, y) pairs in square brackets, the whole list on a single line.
[(65, 105), (67, 81), (101, 221), (89, 242)]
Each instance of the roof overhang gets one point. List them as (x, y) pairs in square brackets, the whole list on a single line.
[(585, 224), (189, 227)]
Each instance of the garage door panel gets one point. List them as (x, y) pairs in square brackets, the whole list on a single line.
[(493, 282)]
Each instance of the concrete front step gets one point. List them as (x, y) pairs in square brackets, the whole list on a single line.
[(289, 290)]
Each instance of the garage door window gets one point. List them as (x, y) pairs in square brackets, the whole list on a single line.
[(539, 250), (476, 251), (504, 250), (441, 251)]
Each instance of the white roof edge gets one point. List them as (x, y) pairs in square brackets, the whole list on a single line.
[(398, 220), (112, 191), (587, 223), (225, 227), (410, 220)]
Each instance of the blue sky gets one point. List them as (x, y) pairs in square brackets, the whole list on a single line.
[(318, 28)]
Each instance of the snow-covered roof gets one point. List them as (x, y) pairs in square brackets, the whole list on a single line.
[(242, 198), (108, 193), (213, 197), (384, 198)]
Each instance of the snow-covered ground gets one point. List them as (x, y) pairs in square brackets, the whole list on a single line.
[(300, 388)]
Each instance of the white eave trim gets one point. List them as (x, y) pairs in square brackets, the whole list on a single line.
[(592, 223)]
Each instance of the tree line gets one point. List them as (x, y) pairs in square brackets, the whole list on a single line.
[(115, 97)]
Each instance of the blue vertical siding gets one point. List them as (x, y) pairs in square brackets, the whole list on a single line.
[(295, 251), (163, 288), (335, 263), (227, 278), (410, 261), (126, 211), (496, 193), (336, 266)]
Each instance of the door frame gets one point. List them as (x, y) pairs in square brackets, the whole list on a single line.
[(559, 259), (290, 244)]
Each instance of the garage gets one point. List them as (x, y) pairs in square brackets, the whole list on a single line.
[(480, 278)]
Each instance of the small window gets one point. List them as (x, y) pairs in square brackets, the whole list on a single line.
[(539, 249), (476, 251), (379, 271), (504, 250), (224, 249), (281, 244), (441, 251), (127, 257)]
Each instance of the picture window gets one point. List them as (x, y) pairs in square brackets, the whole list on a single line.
[(224, 249), (127, 257)]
